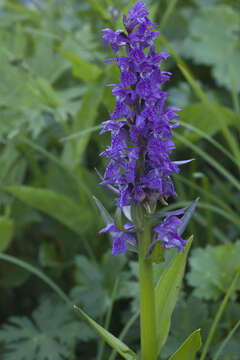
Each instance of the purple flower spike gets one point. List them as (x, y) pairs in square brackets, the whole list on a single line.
[(141, 126)]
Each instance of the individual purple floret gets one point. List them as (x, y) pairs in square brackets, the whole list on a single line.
[(141, 126), (167, 233), (120, 238)]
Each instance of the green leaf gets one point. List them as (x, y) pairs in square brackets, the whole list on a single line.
[(86, 116), (6, 232), (48, 255), (198, 115), (95, 282), (155, 253), (185, 320), (82, 69), (189, 348), (48, 336), (226, 341), (21, 9), (90, 292), (46, 62), (11, 275), (107, 218), (45, 92), (204, 43), (56, 205), (114, 342), (212, 270), (100, 9), (166, 293), (219, 313)]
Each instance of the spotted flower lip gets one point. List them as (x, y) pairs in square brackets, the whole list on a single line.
[(140, 167)]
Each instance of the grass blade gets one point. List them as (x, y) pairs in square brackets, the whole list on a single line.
[(218, 315), (225, 341), (210, 160)]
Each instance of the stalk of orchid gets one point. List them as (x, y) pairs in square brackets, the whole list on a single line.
[(140, 168)]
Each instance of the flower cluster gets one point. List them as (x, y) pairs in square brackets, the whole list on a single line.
[(141, 126)]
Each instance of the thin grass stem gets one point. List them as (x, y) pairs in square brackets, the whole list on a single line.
[(218, 315)]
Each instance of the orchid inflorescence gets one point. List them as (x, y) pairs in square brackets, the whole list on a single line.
[(140, 168)]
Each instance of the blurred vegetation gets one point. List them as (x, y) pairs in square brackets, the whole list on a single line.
[(52, 102)]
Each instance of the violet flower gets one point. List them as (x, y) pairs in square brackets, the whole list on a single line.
[(141, 128), (120, 238)]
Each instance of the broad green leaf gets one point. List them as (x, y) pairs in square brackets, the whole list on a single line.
[(12, 91), (48, 335), (166, 293), (56, 205), (46, 62), (204, 42), (189, 348), (212, 270), (114, 342), (82, 69), (86, 116), (94, 283), (6, 232), (198, 115), (45, 92), (214, 110)]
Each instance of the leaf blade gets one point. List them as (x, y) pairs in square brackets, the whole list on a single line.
[(114, 342), (189, 348), (68, 212), (166, 293)]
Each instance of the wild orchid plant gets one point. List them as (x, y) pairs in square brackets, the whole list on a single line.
[(140, 172)]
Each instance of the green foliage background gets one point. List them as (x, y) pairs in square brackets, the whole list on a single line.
[(52, 102)]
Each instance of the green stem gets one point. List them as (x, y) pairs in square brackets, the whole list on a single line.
[(147, 299), (218, 315)]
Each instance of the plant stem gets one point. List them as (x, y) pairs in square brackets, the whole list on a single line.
[(218, 315), (147, 299)]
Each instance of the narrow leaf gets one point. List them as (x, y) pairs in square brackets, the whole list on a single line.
[(6, 232), (104, 213), (189, 348), (219, 314), (56, 205), (82, 69), (86, 116), (187, 216), (166, 293), (226, 340), (114, 342)]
